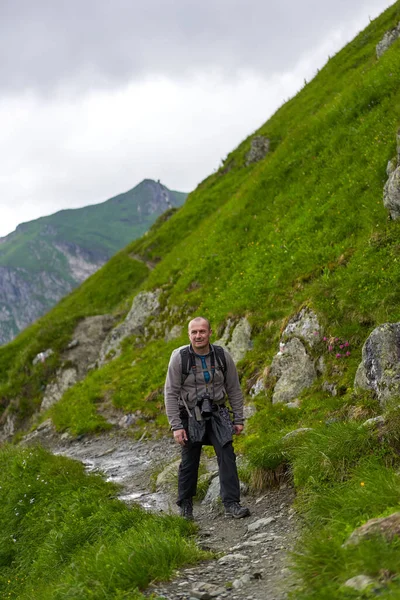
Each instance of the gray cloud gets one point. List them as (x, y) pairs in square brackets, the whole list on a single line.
[(48, 44)]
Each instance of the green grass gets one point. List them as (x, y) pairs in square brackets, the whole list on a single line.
[(64, 535)]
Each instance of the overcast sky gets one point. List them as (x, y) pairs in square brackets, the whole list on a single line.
[(97, 95)]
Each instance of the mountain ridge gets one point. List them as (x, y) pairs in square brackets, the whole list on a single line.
[(46, 258)]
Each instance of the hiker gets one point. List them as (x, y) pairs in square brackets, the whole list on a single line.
[(200, 377)]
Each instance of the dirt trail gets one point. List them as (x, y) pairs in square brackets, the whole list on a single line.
[(251, 554)]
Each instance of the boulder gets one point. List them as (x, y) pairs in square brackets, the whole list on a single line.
[(388, 527), (42, 356), (388, 39), (294, 369), (379, 369), (258, 150), (168, 476), (144, 305), (304, 325)]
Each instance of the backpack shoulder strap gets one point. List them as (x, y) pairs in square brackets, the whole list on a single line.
[(221, 358), (187, 359)]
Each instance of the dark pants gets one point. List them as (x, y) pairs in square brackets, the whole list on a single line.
[(189, 467)]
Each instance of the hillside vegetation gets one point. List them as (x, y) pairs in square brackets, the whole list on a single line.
[(305, 226)]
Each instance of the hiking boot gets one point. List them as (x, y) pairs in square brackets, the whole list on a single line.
[(236, 511), (186, 509)]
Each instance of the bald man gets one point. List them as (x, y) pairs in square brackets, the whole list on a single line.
[(201, 379)]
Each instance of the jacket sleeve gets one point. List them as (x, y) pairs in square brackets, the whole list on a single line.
[(233, 390), (172, 391)]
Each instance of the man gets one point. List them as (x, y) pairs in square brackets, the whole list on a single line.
[(199, 378)]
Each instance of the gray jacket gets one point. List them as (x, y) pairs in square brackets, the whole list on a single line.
[(194, 386)]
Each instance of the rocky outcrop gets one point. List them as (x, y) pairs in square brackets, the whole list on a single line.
[(391, 191), (80, 355), (236, 339), (304, 325), (388, 39), (24, 298), (379, 370), (258, 150), (294, 369), (144, 305)]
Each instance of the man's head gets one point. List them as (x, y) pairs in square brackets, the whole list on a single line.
[(199, 334)]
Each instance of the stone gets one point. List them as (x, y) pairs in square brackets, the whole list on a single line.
[(330, 388), (294, 404), (391, 193), (294, 369), (65, 378), (388, 39), (239, 342), (249, 410), (144, 305), (260, 524), (8, 427), (388, 527), (304, 325), (360, 583), (374, 422), (229, 559), (257, 388), (379, 370), (241, 581), (296, 432), (212, 496), (42, 356), (206, 591), (168, 476), (173, 333), (258, 150)]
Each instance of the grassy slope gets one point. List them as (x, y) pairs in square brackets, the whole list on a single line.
[(305, 225)]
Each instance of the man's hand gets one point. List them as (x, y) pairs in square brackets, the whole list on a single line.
[(180, 436), (238, 429)]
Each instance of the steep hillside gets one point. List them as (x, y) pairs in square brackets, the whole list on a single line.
[(291, 253), (43, 260)]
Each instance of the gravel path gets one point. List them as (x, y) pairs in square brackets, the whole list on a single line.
[(251, 555)]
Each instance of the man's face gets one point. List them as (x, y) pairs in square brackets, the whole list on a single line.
[(199, 334)]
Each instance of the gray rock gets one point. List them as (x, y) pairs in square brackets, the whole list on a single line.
[(294, 404), (173, 333), (380, 367), (258, 387), (304, 325), (42, 356), (258, 150), (249, 410), (229, 559), (206, 591), (8, 428), (144, 305), (374, 422), (212, 496), (241, 581), (295, 371), (296, 432), (360, 583), (330, 388), (240, 340), (388, 39), (260, 524), (65, 378), (391, 194), (168, 476)]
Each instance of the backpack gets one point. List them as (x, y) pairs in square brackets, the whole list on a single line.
[(188, 360)]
